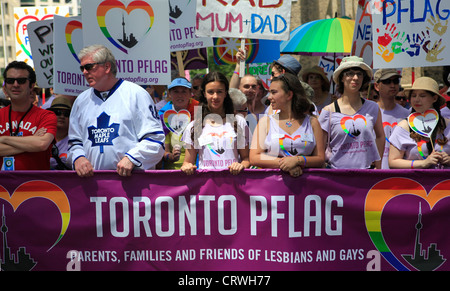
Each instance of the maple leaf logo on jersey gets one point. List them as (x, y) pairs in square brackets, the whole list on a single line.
[(103, 134)]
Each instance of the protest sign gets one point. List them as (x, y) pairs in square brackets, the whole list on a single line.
[(268, 19), (69, 80), (258, 220), (182, 27), (41, 42), (22, 17), (411, 34), (137, 32), (362, 37)]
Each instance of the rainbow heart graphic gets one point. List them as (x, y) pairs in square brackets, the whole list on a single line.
[(40, 189), (384, 192), (423, 123), (281, 142), (70, 28), (353, 132), (126, 41), (177, 121), (390, 127)]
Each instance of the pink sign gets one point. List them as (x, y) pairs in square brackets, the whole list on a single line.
[(259, 220)]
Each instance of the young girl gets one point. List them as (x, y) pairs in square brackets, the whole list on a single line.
[(291, 139), (353, 124), (408, 149), (220, 138)]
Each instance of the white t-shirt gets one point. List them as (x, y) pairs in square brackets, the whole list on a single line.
[(219, 144)]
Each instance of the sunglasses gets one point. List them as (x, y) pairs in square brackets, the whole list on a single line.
[(396, 81), (20, 81), (59, 112), (400, 98), (89, 67)]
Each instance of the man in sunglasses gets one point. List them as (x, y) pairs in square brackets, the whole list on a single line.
[(26, 131), (387, 84), (61, 106), (114, 125)]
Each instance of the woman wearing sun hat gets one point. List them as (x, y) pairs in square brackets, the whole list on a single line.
[(410, 150), (318, 80), (352, 126)]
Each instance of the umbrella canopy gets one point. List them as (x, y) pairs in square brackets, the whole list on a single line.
[(324, 36)]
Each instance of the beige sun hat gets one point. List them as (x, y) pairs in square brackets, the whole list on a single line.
[(427, 84), (351, 62), (318, 71)]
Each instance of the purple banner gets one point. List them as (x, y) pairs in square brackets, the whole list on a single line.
[(258, 220)]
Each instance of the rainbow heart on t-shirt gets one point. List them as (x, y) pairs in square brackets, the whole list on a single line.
[(351, 128), (423, 123)]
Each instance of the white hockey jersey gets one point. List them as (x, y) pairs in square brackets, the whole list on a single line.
[(122, 122)]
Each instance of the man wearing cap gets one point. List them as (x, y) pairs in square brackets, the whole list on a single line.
[(387, 84), (180, 96), (114, 125), (61, 106), (26, 131)]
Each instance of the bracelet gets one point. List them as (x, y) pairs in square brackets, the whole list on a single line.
[(412, 164), (237, 73), (298, 161)]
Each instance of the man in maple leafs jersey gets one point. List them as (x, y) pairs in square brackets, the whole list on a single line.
[(114, 124), (26, 131)]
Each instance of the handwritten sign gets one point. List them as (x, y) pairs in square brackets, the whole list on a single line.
[(182, 27), (25, 15), (68, 36), (137, 33), (263, 19), (41, 40), (411, 34), (362, 37)]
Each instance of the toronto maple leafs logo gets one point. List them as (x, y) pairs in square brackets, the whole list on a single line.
[(103, 134)]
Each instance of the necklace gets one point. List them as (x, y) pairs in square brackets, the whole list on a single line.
[(288, 123)]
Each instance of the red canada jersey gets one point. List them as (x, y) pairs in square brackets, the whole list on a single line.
[(35, 119)]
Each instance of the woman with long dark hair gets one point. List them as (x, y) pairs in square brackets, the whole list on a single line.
[(220, 138), (292, 138), (409, 149)]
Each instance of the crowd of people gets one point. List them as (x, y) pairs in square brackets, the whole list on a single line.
[(233, 124)]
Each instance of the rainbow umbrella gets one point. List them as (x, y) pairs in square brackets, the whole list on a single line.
[(321, 37)]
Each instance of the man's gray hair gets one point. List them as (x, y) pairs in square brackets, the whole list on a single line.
[(100, 54)]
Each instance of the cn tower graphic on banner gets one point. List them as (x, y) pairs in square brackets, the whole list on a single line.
[(421, 260), (21, 261)]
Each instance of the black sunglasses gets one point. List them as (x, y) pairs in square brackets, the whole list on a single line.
[(20, 81), (89, 67), (389, 81), (59, 112)]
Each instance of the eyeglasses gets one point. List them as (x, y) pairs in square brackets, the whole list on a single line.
[(59, 112), (351, 74), (396, 81), (20, 81), (89, 67)]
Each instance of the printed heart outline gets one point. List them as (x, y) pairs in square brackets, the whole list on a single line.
[(70, 28), (416, 116), (32, 18), (345, 119), (105, 6), (381, 193), (40, 189), (387, 124), (168, 116)]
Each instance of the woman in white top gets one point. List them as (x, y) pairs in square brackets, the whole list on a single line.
[(291, 139), (220, 138)]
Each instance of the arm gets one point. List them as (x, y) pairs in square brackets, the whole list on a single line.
[(379, 139), (235, 78), (27, 143), (189, 166)]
